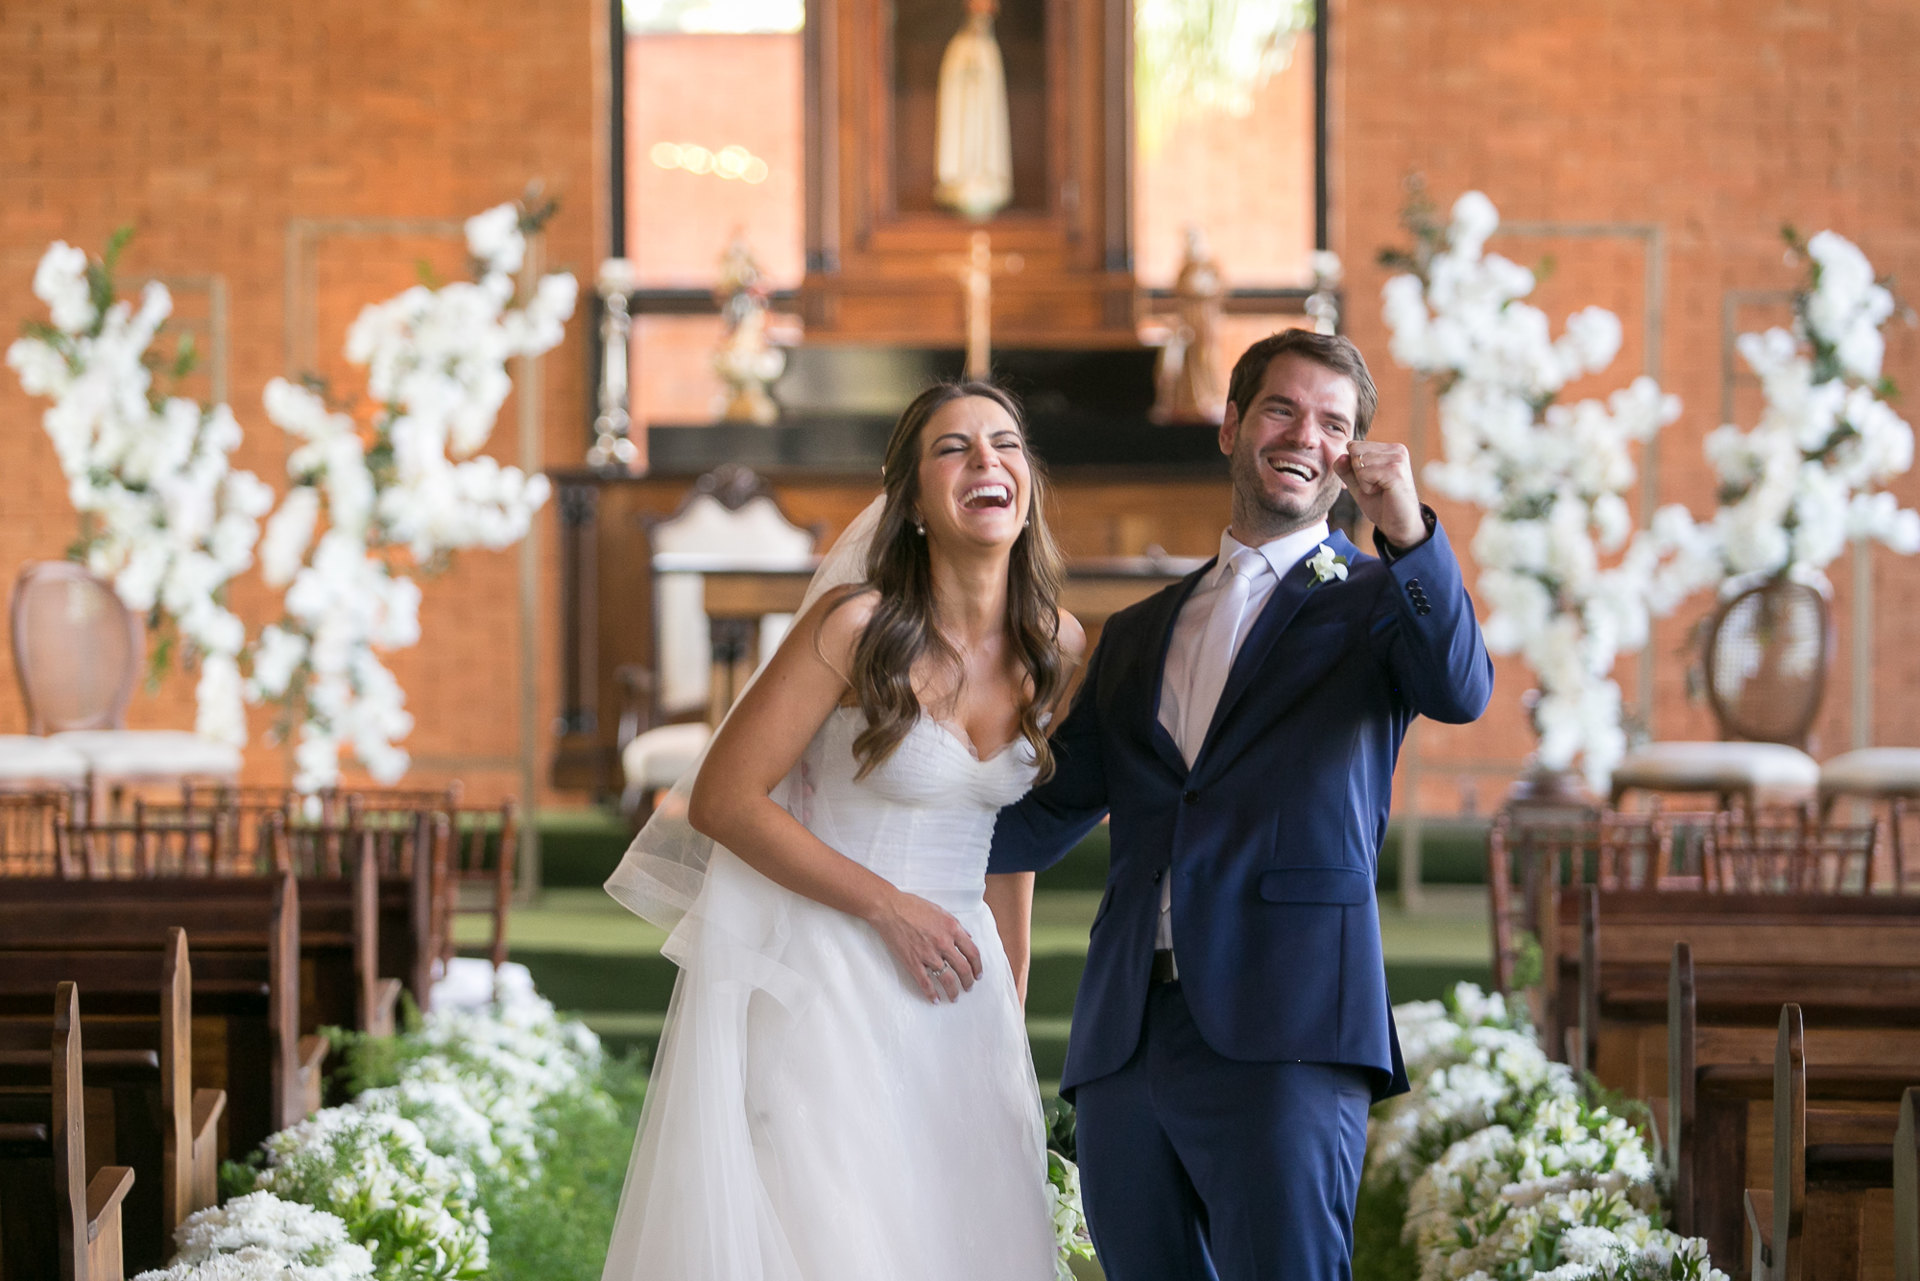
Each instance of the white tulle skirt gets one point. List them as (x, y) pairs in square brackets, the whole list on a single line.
[(812, 1117)]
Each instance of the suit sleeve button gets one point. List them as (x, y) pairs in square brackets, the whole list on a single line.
[(1190, 796)]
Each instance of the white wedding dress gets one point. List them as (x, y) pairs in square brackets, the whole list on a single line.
[(811, 1115)]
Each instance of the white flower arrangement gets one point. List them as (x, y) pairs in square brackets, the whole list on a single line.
[(1551, 478), (165, 516), (260, 1235), (404, 492), (1528, 1173), (1812, 473), (417, 1210)]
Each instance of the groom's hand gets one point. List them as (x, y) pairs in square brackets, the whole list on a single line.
[(1379, 475)]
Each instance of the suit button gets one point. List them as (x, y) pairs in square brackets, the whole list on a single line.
[(1157, 875), (1413, 584), (1422, 610), (1190, 797)]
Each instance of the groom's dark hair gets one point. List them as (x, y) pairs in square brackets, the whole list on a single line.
[(1335, 351)]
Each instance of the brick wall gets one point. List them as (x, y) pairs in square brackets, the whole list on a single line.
[(1716, 122), (211, 127)]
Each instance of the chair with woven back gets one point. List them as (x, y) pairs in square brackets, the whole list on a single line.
[(1790, 851), (729, 517), (1764, 656), (77, 653)]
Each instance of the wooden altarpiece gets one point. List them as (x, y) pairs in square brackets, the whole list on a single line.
[(881, 253)]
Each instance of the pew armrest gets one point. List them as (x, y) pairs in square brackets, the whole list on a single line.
[(384, 1018), (1760, 1223), (105, 1191), (207, 1108), (313, 1053)]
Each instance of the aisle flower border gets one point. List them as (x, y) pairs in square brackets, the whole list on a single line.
[(386, 1188), (1510, 1169)]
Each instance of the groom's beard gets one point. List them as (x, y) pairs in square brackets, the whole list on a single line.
[(1267, 514)]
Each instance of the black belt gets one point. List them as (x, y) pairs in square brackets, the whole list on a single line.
[(1163, 971)]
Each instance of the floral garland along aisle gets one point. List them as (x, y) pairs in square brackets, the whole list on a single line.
[(1509, 1171), (170, 522)]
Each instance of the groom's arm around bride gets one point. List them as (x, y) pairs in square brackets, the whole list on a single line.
[(1241, 729)]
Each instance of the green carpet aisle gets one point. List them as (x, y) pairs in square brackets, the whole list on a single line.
[(588, 954)]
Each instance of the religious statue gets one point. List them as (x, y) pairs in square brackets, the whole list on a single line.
[(973, 150), (746, 361), (1190, 386)]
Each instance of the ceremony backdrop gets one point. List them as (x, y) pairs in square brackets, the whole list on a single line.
[(281, 168)]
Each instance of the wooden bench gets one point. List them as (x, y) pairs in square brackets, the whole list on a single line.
[(1851, 960), (1906, 1190), (163, 1128), (1720, 1080), (1830, 1156), (66, 1225), (246, 949)]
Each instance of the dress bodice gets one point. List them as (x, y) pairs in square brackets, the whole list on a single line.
[(923, 819)]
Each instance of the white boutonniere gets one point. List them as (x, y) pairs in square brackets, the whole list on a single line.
[(1327, 566)]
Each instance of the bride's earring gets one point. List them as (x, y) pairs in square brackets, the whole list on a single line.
[(920, 528)]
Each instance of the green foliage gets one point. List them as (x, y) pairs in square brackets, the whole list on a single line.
[(1378, 1252), (1063, 1129), (557, 1229)]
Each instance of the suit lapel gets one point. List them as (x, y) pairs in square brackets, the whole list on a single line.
[(1285, 602), (1160, 627)]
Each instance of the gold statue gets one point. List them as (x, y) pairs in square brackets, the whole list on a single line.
[(973, 149), (1190, 387)]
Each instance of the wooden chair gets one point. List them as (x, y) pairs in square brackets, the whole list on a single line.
[(1764, 656), (730, 516), (1790, 853), (67, 1226), (479, 857), (141, 1049), (33, 834), (77, 651)]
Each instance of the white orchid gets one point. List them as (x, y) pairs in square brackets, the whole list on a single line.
[(1550, 477), (166, 518), (436, 362)]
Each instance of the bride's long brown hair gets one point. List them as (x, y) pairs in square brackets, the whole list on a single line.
[(902, 629)]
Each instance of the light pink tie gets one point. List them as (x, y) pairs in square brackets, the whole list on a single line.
[(1213, 656)]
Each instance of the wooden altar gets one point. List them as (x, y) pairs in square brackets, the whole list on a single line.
[(1111, 521)]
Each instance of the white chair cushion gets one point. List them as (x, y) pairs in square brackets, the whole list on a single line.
[(660, 756), (1873, 771), (28, 758), (152, 753), (1713, 767)]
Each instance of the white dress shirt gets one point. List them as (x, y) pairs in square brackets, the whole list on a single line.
[(1189, 671)]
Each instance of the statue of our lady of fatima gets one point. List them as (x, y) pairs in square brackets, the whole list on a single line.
[(973, 153)]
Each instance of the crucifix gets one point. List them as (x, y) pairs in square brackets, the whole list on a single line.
[(976, 274)]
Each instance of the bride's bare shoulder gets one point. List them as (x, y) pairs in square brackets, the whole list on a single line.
[(835, 622), (1073, 638)]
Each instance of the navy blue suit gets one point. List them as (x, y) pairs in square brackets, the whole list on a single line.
[(1272, 838)]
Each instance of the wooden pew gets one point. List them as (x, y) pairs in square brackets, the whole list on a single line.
[(1851, 960), (163, 1128), (1719, 1076), (1806, 1222), (1906, 1190), (246, 948), (480, 852), (67, 1225)]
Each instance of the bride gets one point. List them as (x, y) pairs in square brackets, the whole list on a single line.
[(844, 1090)]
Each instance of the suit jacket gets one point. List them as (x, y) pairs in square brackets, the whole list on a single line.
[(1273, 836)]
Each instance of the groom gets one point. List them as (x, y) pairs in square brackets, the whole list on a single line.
[(1241, 726)]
